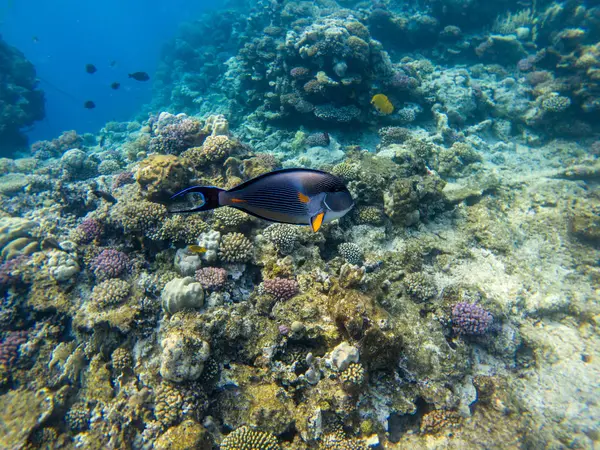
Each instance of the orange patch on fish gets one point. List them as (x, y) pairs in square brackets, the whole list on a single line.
[(303, 198), (237, 200), (317, 221)]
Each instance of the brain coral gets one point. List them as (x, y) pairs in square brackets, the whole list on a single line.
[(245, 438)]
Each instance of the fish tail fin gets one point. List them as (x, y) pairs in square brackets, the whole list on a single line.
[(209, 195)]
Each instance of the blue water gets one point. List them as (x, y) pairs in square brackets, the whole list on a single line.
[(73, 33)]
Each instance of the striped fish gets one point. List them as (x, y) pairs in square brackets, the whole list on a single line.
[(297, 196)]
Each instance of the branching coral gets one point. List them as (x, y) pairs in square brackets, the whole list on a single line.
[(235, 248)]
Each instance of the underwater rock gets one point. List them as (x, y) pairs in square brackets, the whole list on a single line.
[(501, 49), (188, 435), (183, 356), (216, 125), (62, 266), (343, 355), (211, 241), (401, 203), (22, 101), (584, 220), (15, 237), (182, 293), (21, 412), (160, 176), (186, 262)]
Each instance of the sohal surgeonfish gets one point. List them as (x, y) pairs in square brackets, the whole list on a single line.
[(296, 196)]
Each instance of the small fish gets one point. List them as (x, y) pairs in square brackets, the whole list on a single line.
[(116, 85), (296, 196), (89, 104), (196, 249), (113, 63), (51, 243), (35, 39), (139, 76), (90, 68), (105, 196)]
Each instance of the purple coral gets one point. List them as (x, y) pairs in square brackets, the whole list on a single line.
[(471, 319), (317, 140), (110, 263), (9, 348), (89, 230), (8, 272), (299, 72), (402, 81), (122, 179), (174, 134), (281, 288), (211, 278)]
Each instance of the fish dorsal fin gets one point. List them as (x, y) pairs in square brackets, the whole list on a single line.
[(316, 221)]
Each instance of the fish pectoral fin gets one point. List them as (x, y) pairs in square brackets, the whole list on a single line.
[(316, 221)]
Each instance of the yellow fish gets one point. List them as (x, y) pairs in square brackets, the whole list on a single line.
[(382, 104), (196, 249)]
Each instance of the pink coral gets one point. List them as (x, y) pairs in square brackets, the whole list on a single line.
[(281, 288), (89, 230), (9, 348), (471, 319), (212, 278), (176, 135), (299, 72), (9, 275), (122, 179), (110, 263)]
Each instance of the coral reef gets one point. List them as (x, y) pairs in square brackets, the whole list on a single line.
[(21, 102), (455, 306)]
